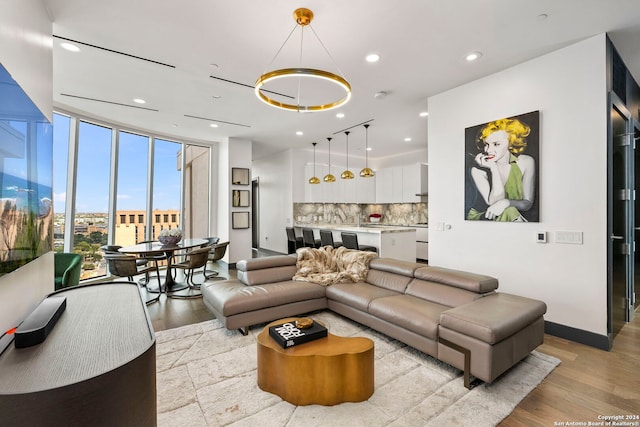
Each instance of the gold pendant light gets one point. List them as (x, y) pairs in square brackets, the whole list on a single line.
[(314, 179), (347, 174), (328, 177), (366, 172), (303, 18)]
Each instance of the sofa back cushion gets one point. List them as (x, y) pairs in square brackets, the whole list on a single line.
[(391, 274), (473, 282), (259, 271), (447, 295)]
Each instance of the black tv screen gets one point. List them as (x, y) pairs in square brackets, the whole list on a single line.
[(26, 207)]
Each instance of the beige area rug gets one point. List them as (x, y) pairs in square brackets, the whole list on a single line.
[(207, 377)]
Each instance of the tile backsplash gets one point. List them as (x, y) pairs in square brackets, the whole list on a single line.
[(347, 213)]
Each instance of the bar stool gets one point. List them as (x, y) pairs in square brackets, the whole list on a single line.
[(350, 241), (326, 239), (309, 239), (293, 242)]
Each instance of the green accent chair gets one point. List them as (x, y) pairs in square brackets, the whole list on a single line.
[(67, 269)]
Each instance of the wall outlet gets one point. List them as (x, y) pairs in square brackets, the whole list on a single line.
[(541, 237)]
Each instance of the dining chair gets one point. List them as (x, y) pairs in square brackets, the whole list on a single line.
[(140, 262), (309, 239), (326, 239), (350, 241), (293, 242), (194, 259), (216, 253), (146, 258), (126, 266)]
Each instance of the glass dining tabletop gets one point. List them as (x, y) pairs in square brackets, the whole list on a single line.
[(169, 285)]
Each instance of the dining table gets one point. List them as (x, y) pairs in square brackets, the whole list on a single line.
[(169, 285)]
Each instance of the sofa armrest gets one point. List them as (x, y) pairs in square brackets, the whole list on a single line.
[(493, 318)]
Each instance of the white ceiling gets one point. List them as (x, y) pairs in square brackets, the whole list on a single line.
[(422, 44)]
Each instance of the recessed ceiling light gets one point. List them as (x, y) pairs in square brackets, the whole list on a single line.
[(373, 57), (542, 17), (70, 47), (340, 115), (213, 125), (368, 148), (139, 101), (299, 133), (407, 140), (424, 113), (473, 56), (216, 96)]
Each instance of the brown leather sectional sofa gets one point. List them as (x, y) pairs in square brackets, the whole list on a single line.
[(455, 316)]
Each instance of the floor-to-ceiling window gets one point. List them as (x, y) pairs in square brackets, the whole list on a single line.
[(117, 187), (92, 197), (61, 129), (166, 186), (131, 200)]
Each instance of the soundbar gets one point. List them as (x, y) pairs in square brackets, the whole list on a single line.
[(35, 328)]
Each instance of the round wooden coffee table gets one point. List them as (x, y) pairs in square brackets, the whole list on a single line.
[(326, 371)]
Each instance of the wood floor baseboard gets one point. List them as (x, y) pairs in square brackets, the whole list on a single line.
[(580, 336)]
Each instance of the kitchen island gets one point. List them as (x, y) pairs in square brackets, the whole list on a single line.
[(392, 242)]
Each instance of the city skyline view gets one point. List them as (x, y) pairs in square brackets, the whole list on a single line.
[(94, 155)]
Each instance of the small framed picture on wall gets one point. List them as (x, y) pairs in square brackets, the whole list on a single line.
[(240, 220), (240, 198), (239, 176)]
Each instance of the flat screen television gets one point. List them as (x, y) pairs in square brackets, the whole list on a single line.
[(26, 208)]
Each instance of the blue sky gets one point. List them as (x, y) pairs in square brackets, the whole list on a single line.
[(94, 154)]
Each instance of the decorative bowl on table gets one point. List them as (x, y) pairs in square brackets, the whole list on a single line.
[(170, 237)]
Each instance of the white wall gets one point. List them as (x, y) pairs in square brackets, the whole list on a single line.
[(25, 51), (568, 87), (239, 156), (276, 203)]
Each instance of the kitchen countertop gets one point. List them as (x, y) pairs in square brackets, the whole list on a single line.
[(364, 228)]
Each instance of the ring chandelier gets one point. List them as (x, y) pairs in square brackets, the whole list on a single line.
[(303, 18)]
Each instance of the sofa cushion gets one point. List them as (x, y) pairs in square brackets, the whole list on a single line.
[(478, 283), (439, 293), (493, 318), (232, 296), (391, 274), (357, 295), (409, 312)]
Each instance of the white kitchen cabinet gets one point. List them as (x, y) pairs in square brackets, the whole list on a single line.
[(334, 192), (314, 193), (414, 181), (397, 184), (384, 185), (365, 189), (422, 243)]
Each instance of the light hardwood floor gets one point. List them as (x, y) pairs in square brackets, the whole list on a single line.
[(588, 383)]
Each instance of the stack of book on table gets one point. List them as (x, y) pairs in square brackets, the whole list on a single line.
[(288, 334)]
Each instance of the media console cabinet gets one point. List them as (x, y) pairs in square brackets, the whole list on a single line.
[(97, 367)]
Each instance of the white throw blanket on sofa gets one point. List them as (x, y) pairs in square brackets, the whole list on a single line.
[(326, 266)]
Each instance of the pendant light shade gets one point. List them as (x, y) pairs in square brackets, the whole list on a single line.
[(314, 179), (366, 172), (347, 174), (328, 177)]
